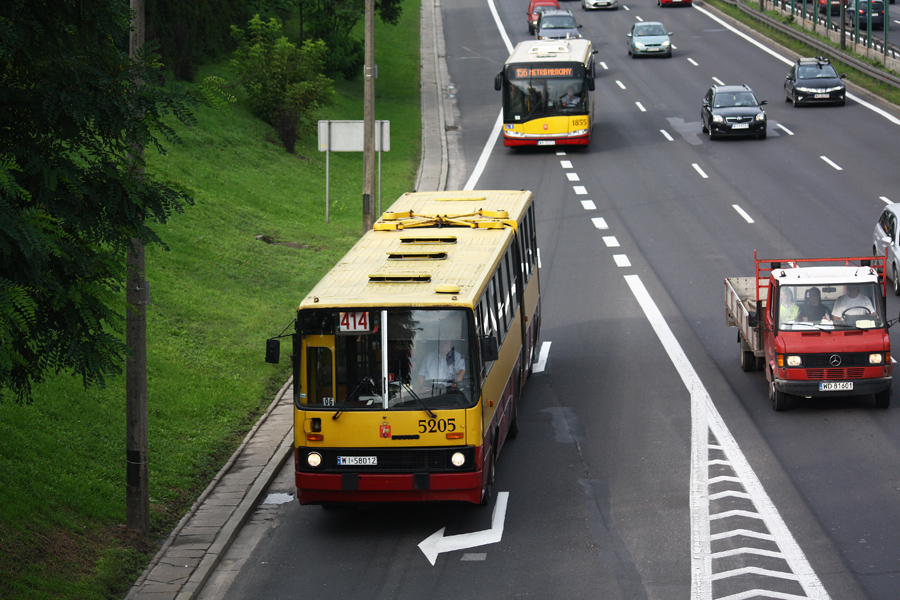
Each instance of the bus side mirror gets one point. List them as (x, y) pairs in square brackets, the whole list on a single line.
[(489, 350), (498, 81), (273, 350), (590, 82)]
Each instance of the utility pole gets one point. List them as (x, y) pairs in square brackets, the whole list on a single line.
[(137, 492), (369, 120)]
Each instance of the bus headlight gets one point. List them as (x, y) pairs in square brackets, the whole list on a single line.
[(876, 358), (794, 361), (314, 459), (458, 459)]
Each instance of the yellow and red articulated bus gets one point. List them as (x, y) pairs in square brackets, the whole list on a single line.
[(410, 355), (548, 95)]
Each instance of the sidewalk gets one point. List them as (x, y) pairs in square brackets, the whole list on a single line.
[(203, 536)]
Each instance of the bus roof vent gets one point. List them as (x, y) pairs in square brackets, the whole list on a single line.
[(400, 278), (417, 255), (444, 239), (460, 199), (447, 288)]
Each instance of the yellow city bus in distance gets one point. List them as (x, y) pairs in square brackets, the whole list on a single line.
[(410, 355), (548, 93)]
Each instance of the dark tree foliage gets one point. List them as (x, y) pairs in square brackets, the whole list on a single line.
[(332, 21), (71, 198), (190, 31)]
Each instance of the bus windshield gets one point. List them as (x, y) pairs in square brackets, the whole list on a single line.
[(384, 359), (541, 92)]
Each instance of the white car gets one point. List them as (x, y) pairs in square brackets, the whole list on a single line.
[(886, 237), (595, 4)]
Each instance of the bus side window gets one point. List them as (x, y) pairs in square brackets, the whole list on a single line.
[(320, 376)]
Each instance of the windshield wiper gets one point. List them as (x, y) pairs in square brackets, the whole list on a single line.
[(419, 400), (355, 393)]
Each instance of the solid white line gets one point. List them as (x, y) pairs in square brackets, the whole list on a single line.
[(621, 260), (542, 358), (566, 164), (885, 200), (641, 106), (718, 81), (580, 189), (705, 418), (485, 153), (588, 205), (666, 135), (788, 131), (600, 223), (699, 170), (693, 62), (620, 84), (742, 212), (611, 241), (831, 162), (572, 176)]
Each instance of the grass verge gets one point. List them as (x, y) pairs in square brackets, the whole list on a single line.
[(216, 295)]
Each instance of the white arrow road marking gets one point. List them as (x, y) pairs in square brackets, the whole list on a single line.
[(437, 543)]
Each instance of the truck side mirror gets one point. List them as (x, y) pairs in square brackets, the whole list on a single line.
[(273, 350), (752, 319), (489, 349)]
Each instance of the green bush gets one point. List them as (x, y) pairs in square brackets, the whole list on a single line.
[(284, 83)]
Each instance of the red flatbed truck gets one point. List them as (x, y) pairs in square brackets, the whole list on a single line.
[(816, 326)]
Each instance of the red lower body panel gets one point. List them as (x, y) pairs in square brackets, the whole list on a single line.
[(315, 488)]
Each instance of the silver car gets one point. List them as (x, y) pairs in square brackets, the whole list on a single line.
[(595, 4), (886, 237)]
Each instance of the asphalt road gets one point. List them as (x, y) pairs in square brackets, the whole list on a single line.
[(642, 434)]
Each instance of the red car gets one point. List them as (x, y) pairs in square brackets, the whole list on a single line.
[(538, 6), (673, 2)]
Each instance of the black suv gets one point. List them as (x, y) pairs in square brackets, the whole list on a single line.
[(732, 110), (814, 80)]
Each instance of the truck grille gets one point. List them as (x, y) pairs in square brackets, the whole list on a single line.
[(830, 374)]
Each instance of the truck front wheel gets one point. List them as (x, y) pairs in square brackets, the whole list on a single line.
[(780, 400), (883, 398)]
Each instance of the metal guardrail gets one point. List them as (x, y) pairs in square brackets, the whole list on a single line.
[(822, 48)]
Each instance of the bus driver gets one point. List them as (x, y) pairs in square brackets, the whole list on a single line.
[(445, 367)]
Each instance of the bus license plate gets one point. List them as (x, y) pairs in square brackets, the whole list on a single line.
[(835, 386), (741, 126), (546, 142), (356, 461)]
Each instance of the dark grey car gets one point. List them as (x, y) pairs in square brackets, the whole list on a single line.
[(814, 81), (858, 10), (732, 110)]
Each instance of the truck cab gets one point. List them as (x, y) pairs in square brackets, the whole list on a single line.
[(816, 326), (826, 333)]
